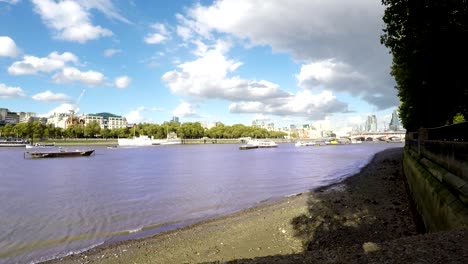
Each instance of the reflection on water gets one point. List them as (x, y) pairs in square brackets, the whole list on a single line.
[(52, 207)]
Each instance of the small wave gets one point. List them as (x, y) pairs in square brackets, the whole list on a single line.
[(130, 231), (62, 255), (293, 194)]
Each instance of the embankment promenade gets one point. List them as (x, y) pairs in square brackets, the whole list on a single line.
[(368, 218)]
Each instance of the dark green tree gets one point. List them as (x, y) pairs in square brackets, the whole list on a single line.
[(92, 129), (428, 41)]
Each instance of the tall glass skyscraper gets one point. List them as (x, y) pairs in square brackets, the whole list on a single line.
[(394, 123)]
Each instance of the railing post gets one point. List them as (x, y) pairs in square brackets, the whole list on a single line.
[(423, 135)]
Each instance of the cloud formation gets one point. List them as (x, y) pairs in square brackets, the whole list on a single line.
[(207, 77), (70, 74), (64, 108), (70, 20), (32, 65), (8, 47), (341, 36), (7, 92), (49, 96), (122, 82), (111, 52), (159, 35), (135, 116), (302, 104), (12, 2), (185, 109)]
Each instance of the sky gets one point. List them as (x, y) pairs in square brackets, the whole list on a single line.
[(233, 61)]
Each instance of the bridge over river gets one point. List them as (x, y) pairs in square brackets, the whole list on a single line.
[(383, 136)]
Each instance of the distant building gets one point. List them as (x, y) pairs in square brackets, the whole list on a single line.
[(209, 125), (175, 119), (371, 124), (116, 122), (12, 118), (58, 120), (394, 124), (93, 118), (106, 120), (25, 117), (3, 114)]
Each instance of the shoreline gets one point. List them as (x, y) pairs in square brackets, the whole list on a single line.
[(340, 223)]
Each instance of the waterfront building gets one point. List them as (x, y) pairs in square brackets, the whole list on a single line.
[(3, 114), (11, 118), (25, 117), (93, 118), (106, 120), (116, 122), (58, 120)]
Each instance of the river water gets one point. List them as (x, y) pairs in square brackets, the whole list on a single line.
[(54, 207)]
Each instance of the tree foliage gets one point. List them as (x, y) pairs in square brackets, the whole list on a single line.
[(191, 130), (428, 41)]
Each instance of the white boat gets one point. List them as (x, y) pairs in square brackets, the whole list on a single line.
[(171, 139), (13, 143), (254, 143), (266, 144), (38, 145), (140, 141), (304, 144)]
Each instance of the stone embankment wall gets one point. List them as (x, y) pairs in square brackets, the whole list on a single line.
[(436, 167)]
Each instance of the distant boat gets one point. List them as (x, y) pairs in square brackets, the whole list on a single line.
[(171, 139), (59, 154), (304, 144), (13, 143), (38, 145), (254, 143), (140, 141)]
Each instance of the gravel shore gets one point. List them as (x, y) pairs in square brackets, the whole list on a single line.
[(368, 218)]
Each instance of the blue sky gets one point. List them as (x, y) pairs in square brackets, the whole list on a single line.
[(288, 62)]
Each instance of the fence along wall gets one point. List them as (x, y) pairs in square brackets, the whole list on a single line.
[(436, 166)]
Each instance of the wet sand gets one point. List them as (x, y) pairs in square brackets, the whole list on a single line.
[(367, 218)]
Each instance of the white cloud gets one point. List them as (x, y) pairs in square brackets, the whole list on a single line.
[(303, 104), (70, 74), (106, 7), (111, 52), (261, 117), (159, 36), (135, 116), (206, 77), (7, 92), (63, 108), (49, 96), (122, 82), (336, 76), (8, 47), (70, 20), (33, 65), (313, 31), (12, 2), (185, 109), (184, 32)]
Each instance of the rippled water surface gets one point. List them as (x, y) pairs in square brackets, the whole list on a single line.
[(52, 207)]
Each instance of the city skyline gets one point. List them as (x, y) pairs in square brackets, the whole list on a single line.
[(203, 61)]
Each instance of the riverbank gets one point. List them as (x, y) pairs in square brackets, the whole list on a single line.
[(367, 218)]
